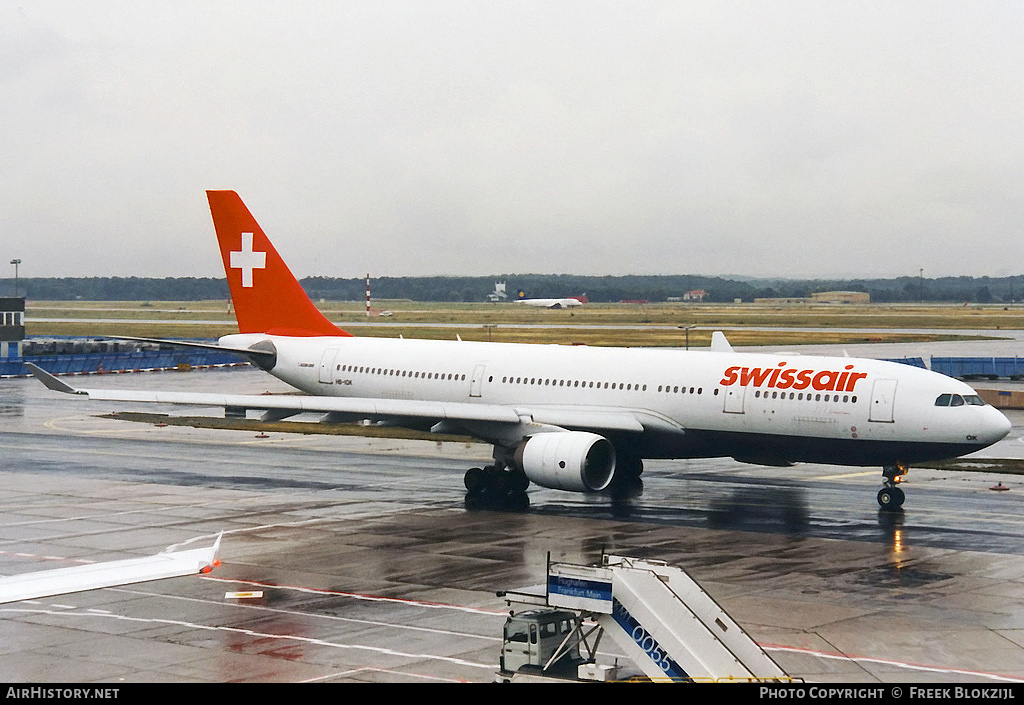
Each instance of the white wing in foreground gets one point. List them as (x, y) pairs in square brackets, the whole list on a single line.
[(46, 583)]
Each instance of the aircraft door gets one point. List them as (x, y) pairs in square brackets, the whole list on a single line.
[(327, 366), (734, 398), (476, 383), (883, 397)]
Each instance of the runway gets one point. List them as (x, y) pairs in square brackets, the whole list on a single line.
[(371, 567)]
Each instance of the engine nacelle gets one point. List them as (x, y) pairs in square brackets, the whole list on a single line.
[(576, 461)]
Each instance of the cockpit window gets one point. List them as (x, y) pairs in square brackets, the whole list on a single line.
[(958, 400)]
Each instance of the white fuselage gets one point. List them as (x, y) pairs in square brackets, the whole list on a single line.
[(551, 303), (757, 407)]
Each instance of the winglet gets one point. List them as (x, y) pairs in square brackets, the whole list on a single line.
[(719, 343), (50, 381), (214, 555)]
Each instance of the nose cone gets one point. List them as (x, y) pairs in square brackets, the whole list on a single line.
[(994, 426)]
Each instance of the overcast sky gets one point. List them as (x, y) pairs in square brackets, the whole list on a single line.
[(799, 139)]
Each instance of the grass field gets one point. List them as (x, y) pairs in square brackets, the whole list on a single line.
[(594, 324)]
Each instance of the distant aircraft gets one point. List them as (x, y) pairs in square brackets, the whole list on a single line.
[(498, 294), (578, 418), (568, 302)]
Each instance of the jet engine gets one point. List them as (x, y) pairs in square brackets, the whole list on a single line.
[(576, 461)]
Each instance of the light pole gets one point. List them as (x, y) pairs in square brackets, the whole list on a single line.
[(686, 329), (15, 262)]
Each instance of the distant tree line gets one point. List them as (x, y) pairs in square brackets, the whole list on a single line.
[(597, 289)]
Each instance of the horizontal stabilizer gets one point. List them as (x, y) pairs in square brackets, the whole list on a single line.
[(252, 353)]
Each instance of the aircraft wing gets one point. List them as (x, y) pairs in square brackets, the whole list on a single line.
[(408, 410), (46, 583)]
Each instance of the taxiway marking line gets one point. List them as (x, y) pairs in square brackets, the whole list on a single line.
[(368, 669), (845, 475), (890, 662), (315, 615), (257, 634), (359, 596)]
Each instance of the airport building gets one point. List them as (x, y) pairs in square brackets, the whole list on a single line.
[(12, 326), (821, 297), (841, 297)]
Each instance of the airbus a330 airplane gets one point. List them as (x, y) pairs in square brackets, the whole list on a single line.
[(579, 418), (568, 302)]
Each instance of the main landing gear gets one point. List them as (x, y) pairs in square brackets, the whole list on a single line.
[(891, 497), (626, 484), (496, 487)]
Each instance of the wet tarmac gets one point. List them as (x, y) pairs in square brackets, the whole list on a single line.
[(372, 568)]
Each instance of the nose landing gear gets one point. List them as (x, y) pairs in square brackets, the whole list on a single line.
[(891, 497)]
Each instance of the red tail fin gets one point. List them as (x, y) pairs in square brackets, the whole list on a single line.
[(267, 297)]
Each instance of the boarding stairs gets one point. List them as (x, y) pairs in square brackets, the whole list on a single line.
[(660, 617)]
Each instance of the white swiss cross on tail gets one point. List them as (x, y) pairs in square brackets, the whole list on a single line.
[(247, 260)]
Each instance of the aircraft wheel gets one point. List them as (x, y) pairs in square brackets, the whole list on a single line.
[(498, 482), (475, 480), (891, 498), (518, 482), (627, 466), (517, 502)]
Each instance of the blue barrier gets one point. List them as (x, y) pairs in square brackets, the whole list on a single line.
[(98, 363), (990, 367)]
